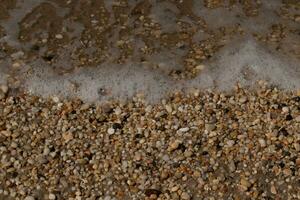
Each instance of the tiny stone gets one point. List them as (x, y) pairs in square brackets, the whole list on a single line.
[(200, 67), (262, 142), (245, 184), (111, 131), (243, 99), (29, 198), (231, 166), (174, 145), (297, 18), (297, 119), (174, 189), (285, 109), (185, 196), (52, 196), (118, 111), (297, 146), (107, 198), (67, 136), (230, 143), (169, 108), (188, 154), (59, 36), (4, 88), (16, 65), (55, 99), (210, 127), (273, 190), (298, 162), (185, 129), (46, 151)]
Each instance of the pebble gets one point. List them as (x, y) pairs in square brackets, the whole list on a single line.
[(111, 131), (29, 198), (55, 99), (185, 196), (210, 127), (52, 196), (262, 142), (285, 109), (67, 136), (169, 108), (297, 119), (4, 88), (59, 36), (118, 111), (245, 183), (230, 143), (16, 65), (273, 189), (17, 55), (200, 67), (46, 151), (297, 18), (243, 99), (174, 145), (185, 129), (231, 166)]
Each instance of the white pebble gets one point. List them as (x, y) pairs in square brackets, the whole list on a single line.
[(230, 143), (118, 111), (200, 67), (285, 109), (55, 99), (52, 196), (4, 88), (185, 129), (59, 36), (185, 196), (243, 99), (262, 142), (29, 198), (110, 131), (169, 108)]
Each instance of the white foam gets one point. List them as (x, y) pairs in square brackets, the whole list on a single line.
[(247, 61), (243, 61)]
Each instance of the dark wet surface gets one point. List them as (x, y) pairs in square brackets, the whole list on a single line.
[(168, 40)]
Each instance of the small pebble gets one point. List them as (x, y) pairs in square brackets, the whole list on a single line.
[(243, 99), (210, 127), (262, 142), (55, 99), (273, 189), (111, 131), (185, 129), (285, 109), (174, 145), (4, 88), (169, 108), (52, 196), (59, 36), (29, 198), (185, 196)]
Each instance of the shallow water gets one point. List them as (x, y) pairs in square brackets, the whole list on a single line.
[(152, 47)]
